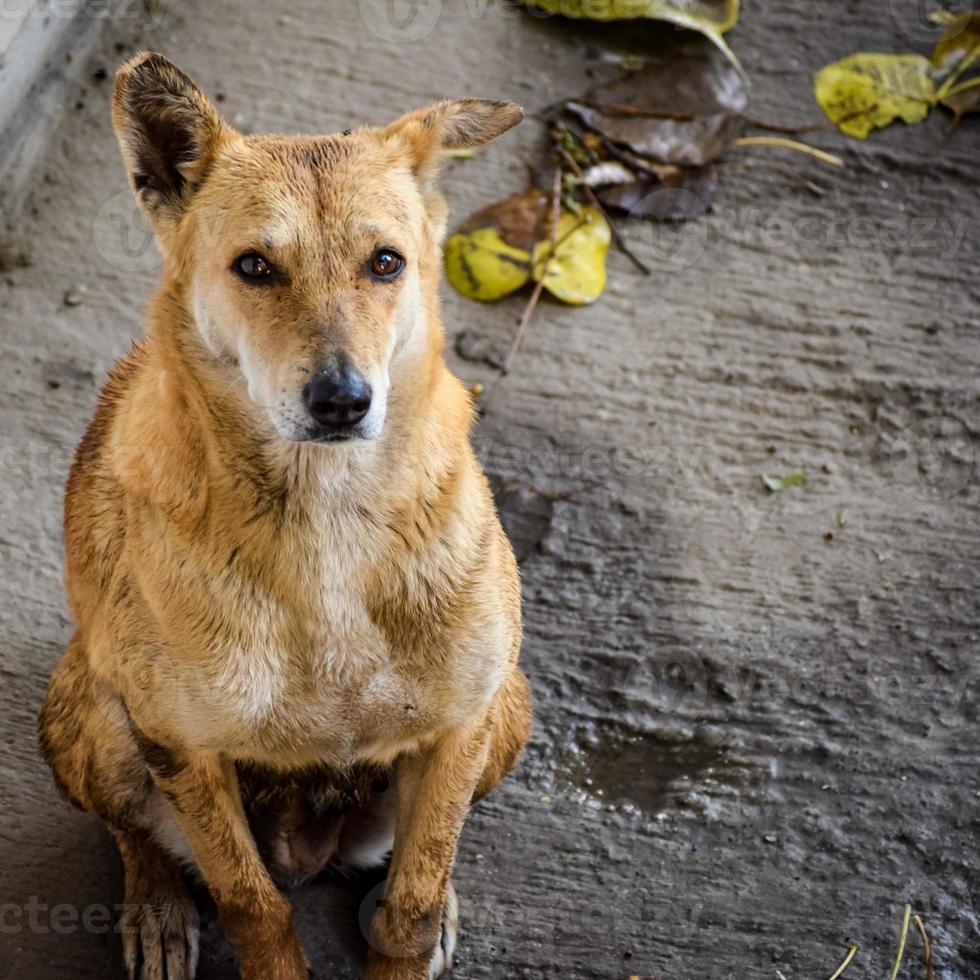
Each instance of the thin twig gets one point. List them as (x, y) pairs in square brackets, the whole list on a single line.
[(619, 109), (851, 953), (788, 130), (953, 125), (750, 163), (822, 155), (957, 73), (901, 942), (616, 233), (926, 946), (522, 326), (960, 89), (532, 302), (630, 159)]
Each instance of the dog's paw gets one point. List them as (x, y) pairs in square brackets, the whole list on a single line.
[(160, 939), (442, 958)]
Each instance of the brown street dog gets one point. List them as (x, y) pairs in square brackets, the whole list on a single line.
[(298, 618)]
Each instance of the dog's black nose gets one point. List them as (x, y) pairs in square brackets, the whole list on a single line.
[(338, 399)]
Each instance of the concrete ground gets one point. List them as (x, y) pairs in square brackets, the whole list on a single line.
[(756, 733)]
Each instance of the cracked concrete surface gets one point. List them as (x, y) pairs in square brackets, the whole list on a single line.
[(756, 733)]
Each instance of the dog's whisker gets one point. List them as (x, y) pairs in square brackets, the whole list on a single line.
[(239, 380)]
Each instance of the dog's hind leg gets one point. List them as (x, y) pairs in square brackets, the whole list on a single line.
[(204, 791), (510, 727), (159, 922), (86, 738)]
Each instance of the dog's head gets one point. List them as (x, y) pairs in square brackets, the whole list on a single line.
[(309, 264)]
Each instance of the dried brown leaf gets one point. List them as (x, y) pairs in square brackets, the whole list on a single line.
[(656, 200), (518, 219), (683, 109)]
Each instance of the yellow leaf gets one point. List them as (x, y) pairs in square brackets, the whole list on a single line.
[(869, 91), (709, 17), (575, 272), (481, 265), (700, 15)]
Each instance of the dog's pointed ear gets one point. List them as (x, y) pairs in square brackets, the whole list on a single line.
[(169, 134), (454, 124)]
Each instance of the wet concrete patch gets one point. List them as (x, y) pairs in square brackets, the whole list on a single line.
[(525, 513), (649, 772)]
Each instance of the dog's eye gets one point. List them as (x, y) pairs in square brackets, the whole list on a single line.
[(386, 264), (253, 267)]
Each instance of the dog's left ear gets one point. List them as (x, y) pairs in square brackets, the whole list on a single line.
[(455, 124), (169, 134)]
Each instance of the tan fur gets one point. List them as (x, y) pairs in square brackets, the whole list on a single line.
[(247, 602)]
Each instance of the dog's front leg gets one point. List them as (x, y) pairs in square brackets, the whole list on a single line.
[(256, 916), (435, 789)]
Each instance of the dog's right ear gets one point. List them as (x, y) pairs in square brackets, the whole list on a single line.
[(169, 133)]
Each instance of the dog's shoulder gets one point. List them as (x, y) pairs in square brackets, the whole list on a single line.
[(91, 480), (90, 453), (94, 507)]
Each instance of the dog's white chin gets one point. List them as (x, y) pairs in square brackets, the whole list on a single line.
[(304, 432)]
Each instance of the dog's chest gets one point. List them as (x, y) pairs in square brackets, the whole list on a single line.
[(334, 696), (306, 671)]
